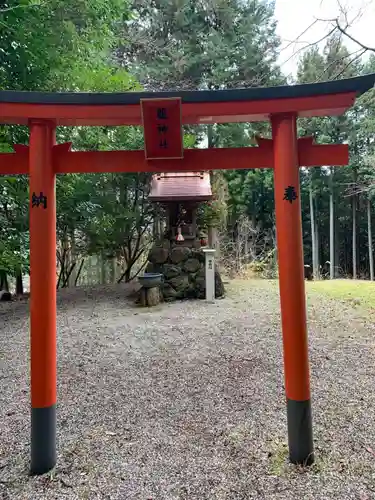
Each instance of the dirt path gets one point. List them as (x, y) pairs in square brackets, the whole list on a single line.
[(186, 401)]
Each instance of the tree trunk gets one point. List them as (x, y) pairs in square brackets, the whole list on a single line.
[(238, 252), (97, 278), (317, 252), (19, 282), (337, 251), (331, 229), (78, 273), (4, 285), (369, 233), (253, 215), (313, 233), (210, 137), (156, 227), (354, 236), (213, 241), (347, 263), (73, 257), (65, 259), (102, 270), (347, 257), (89, 270), (114, 270), (246, 247), (150, 297), (211, 144)]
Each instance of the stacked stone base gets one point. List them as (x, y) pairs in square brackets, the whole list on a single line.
[(183, 269)]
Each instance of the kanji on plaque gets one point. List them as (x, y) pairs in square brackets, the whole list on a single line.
[(162, 128)]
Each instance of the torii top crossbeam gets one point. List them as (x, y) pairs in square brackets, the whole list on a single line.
[(211, 106), (204, 107)]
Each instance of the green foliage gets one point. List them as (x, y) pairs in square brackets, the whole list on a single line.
[(210, 44), (64, 45), (354, 128), (211, 214), (50, 44), (13, 224), (205, 44), (111, 46), (110, 213)]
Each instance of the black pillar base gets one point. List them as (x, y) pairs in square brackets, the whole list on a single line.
[(301, 447), (43, 440)]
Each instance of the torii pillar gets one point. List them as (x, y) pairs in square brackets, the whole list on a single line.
[(292, 288), (42, 297)]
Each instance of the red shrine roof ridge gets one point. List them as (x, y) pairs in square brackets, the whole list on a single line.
[(181, 186)]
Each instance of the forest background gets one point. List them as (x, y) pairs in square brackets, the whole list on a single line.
[(105, 222)]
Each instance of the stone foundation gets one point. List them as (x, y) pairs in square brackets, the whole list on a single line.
[(183, 269)]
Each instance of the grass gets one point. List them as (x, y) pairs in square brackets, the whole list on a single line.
[(356, 292), (279, 459)]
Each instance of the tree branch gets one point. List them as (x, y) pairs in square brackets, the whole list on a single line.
[(17, 7), (358, 56), (345, 33), (307, 46), (336, 61)]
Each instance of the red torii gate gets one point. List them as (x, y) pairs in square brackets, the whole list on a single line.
[(42, 160)]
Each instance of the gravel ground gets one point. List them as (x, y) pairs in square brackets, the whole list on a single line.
[(186, 401)]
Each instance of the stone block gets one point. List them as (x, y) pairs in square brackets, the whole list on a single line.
[(179, 254), (192, 265), (158, 255), (180, 283), (198, 254), (171, 271), (169, 293)]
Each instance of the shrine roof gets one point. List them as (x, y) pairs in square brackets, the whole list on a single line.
[(198, 106), (181, 186)]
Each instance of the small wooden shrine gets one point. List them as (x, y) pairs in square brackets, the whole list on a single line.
[(180, 195)]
